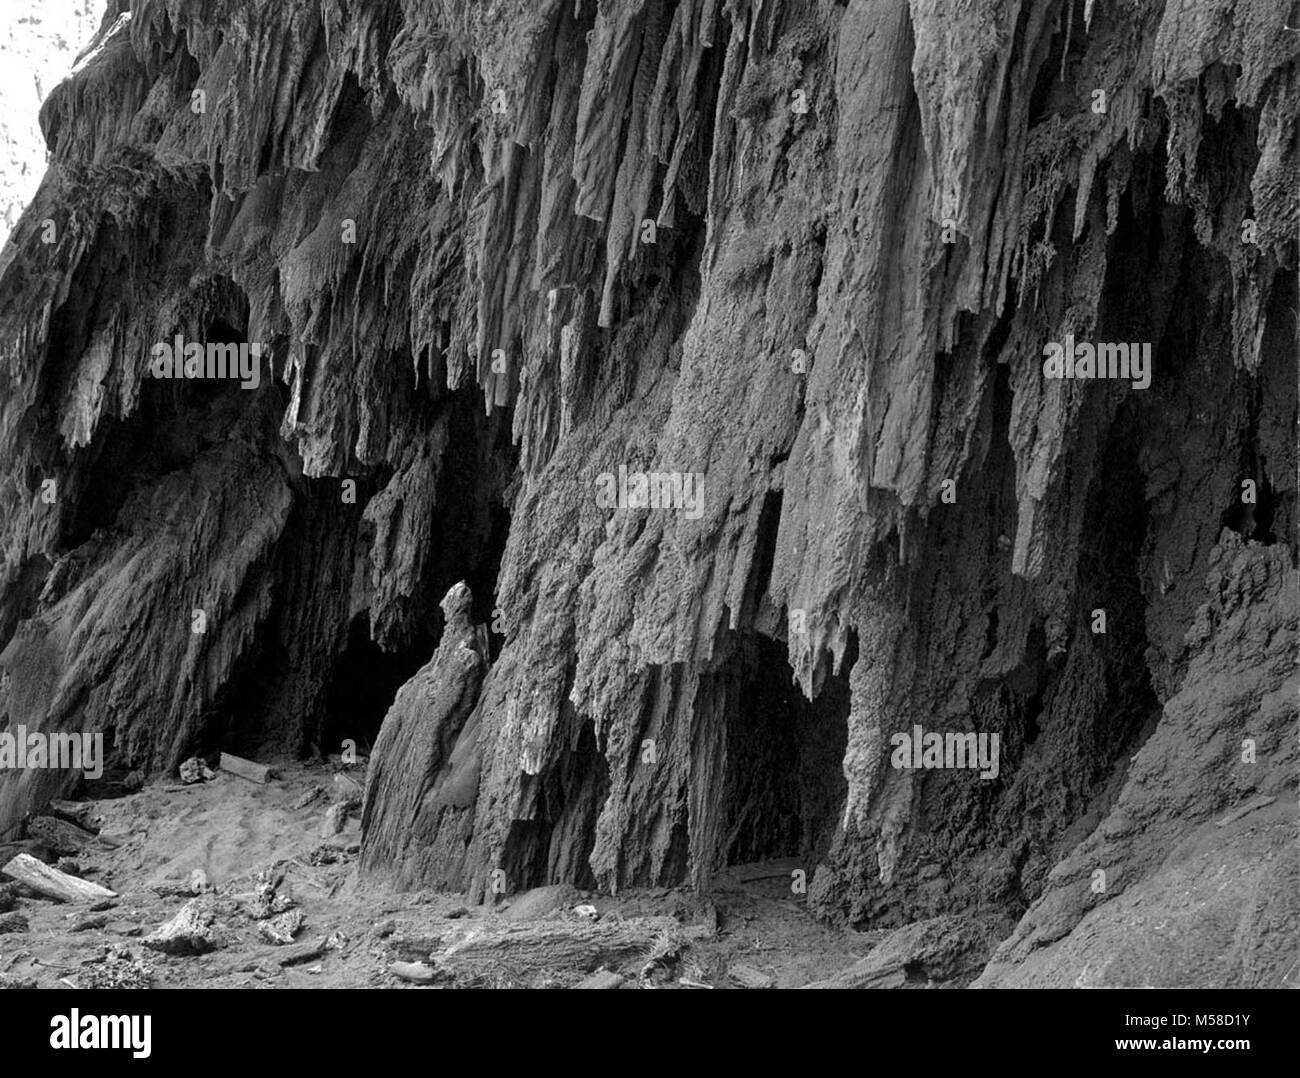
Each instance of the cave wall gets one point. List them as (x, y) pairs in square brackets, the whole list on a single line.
[(811, 251)]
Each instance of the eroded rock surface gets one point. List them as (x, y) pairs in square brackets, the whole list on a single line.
[(809, 252)]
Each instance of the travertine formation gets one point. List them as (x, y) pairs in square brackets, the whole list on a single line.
[(810, 251)]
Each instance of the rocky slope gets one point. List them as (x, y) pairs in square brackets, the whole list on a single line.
[(811, 252)]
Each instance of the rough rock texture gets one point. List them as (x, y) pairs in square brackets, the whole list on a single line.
[(867, 219), (423, 779)]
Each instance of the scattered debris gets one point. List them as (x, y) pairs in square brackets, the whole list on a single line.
[(116, 967), (336, 941), (188, 933), (51, 882), (11, 981), (246, 769), (194, 771), (328, 853), (667, 948)]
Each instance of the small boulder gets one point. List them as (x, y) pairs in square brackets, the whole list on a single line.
[(537, 903), (336, 819), (188, 933), (195, 770), (415, 972), (281, 930)]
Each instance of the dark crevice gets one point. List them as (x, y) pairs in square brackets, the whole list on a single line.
[(554, 845), (784, 785)]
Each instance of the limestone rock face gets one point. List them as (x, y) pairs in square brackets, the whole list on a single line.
[(803, 261)]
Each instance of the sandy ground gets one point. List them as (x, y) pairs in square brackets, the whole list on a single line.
[(241, 834)]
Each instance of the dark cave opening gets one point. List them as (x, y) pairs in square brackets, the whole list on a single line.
[(318, 672), (473, 518), (1267, 447), (1251, 510), (363, 683), (1109, 580), (784, 786), (176, 420)]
